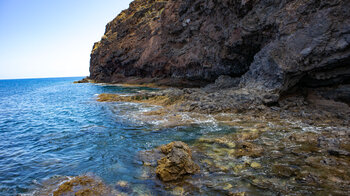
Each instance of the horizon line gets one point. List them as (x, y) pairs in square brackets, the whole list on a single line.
[(46, 77)]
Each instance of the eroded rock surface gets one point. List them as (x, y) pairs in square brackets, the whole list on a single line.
[(279, 158), (271, 45), (283, 66), (177, 162)]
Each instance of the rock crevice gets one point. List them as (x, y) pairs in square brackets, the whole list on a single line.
[(271, 45)]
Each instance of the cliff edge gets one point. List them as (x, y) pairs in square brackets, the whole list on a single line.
[(269, 45)]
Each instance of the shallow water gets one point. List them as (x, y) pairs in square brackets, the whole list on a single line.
[(53, 127)]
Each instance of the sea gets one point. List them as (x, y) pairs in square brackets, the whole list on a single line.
[(53, 127)]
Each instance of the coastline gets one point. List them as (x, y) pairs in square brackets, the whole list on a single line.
[(299, 146), (272, 139), (205, 97), (273, 75)]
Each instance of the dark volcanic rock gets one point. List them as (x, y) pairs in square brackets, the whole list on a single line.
[(84, 80), (312, 47), (272, 44), (223, 82)]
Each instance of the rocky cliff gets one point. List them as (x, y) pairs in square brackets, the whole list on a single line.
[(270, 45)]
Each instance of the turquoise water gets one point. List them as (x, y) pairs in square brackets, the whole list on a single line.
[(53, 127)]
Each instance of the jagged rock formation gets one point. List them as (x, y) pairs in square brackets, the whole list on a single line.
[(272, 45), (177, 162)]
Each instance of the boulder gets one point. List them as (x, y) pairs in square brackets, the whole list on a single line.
[(176, 163)]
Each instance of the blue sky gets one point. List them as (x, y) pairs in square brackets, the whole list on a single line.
[(51, 38)]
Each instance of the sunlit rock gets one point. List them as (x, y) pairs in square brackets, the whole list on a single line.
[(177, 162)]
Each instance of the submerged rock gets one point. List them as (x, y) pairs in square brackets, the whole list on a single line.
[(177, 162), (248, 149), (281, 170), (255, 165), (78, 185), (285, 160)]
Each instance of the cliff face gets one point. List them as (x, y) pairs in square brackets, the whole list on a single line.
[(271, 45)]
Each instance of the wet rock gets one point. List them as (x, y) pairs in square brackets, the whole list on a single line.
[(150, 157), (255, 165), (338, 152), (227, 186), (177, 162), (335, 145), (122, 184), (237, 194), (295, 157), (345, 144), (305, 137), (248, 149), (79, 186), (328, 172), (308, 178), (225, 142), (281, 170), (144, 97), (178, 191), (246, 135)]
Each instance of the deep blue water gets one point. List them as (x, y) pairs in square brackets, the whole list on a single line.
[(54, 127)]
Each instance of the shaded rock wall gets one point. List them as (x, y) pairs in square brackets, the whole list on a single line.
[(272, 45)]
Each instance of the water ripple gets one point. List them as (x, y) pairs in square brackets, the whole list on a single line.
[(53, 127)]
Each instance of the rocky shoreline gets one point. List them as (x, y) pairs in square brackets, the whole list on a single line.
[(312, 106), (298, 145), (276, 73)]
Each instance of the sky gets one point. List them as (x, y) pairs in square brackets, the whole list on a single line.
[(51, 38)]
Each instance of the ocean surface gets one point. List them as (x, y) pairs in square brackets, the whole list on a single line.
[(52, 127)]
